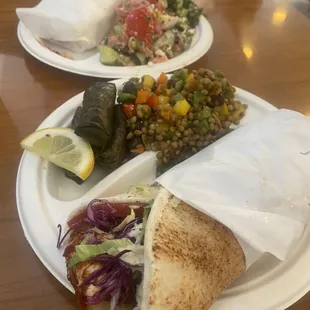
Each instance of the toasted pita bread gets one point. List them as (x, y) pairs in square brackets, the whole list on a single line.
[(190, 258)]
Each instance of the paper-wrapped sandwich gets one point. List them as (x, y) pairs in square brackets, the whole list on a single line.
[(130, 252), (77, 25)]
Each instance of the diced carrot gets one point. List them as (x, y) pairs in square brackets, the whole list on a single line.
[(142, 96), (163, 79), (153, 101), (138, 150)]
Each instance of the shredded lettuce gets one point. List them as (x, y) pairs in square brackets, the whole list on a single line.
[(86, 239), (85, 251), (146, 213), (141, 190), (126, 220), (174, 201)]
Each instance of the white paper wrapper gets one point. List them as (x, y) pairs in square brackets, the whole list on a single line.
[(255, 181), (78, 25)]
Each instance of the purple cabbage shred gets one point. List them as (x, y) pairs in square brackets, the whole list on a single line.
[(117, 279), (61, 240), (127, 229), (101, 216)]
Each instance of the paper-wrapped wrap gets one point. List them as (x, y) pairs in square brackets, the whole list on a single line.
[(255, 181), (77, 25)]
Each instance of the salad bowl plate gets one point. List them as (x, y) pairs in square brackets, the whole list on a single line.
[(91, 65)]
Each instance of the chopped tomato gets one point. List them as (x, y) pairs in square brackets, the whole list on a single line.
[(77, 218), (129, 109), (122, 210), (153, 101), (140, 24)]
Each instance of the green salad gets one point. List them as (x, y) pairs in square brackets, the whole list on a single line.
[(150, 31)]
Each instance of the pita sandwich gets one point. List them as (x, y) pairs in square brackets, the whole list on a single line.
[(133, 252)]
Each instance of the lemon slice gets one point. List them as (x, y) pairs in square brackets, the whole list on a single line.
[(62, 147)]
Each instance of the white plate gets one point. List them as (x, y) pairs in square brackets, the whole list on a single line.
[(45, 198), (93, 67)]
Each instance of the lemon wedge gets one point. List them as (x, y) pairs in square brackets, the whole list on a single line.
[(62, 147)]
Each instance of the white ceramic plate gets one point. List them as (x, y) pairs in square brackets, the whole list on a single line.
[(93, 67), (45, 198)]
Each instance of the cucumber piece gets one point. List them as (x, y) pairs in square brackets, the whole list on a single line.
[(141, 57), (119, 29), (110, 57)]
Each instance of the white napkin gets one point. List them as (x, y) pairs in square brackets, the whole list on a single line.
[(255, 181), (78, 25)]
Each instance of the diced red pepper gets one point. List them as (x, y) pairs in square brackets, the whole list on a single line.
[(129, 109)]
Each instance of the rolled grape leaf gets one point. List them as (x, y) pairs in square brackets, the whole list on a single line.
[(73, 177), (76, 117), (113, 156), (94, 120)]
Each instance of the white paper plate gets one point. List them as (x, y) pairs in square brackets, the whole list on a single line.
[(93, 67), (45, 198)]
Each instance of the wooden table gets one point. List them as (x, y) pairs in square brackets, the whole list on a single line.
[(262, 46)]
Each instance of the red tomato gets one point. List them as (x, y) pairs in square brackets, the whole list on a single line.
[(122, 210), (140, 24), (129, 109)]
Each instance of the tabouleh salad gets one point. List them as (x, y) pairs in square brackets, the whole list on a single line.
[(150, 31)]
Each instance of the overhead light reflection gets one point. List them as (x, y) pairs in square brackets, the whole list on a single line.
[(247, 51), (279, 17)]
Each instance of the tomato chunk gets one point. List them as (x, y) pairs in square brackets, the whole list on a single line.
[(140, 24), (129, 109)]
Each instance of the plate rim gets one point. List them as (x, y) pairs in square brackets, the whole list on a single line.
[(53, 59)]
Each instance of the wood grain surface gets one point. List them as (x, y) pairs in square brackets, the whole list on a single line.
[(261, 46)]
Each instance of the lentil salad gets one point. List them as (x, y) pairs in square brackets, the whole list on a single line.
[(178, 116)]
